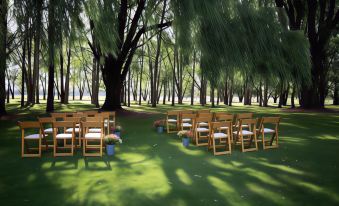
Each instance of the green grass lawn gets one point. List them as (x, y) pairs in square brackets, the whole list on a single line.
[(155, 169)]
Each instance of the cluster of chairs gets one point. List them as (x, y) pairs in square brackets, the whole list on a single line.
[(65, 132), (218, 131)]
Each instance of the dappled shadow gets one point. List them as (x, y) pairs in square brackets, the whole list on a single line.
[(155, 169)]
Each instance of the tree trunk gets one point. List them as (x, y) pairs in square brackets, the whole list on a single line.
[(212, 96), (68, 73), (114, 84), (23, 74), (293, 97), (265, 101), (37, 38), (62, 88), (230, 93), (3, 55), (336, 94), (193, 77), (51, 52)]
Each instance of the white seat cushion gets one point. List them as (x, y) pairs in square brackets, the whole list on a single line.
[(94, 130), (201, 129), (245, 132), (70, 130), (77, 125), (171, 120), (186, 125), (33, 136), (203, 124), (92, 136), (186, 120), (267, 130), (243, 125), (219, 135), (49, 130), (223, 127), (63, 136)]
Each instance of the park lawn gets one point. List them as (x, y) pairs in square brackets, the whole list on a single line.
[(155, 169)]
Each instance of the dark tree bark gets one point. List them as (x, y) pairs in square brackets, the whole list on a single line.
[(193, 77), (51, 52), (336, 94), (23, 74), (116, 66), (265, 100), (68, 73), (3, 55)]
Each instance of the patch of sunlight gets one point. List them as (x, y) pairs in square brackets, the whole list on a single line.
[(312, 187), (265, 178), (283, 168), (188, 151), (278, 199), (226, 191), (293, 125), (183, 177), (237, 164), (132, 158), (179, 202), (221, 164), (327, 137), (31, 178)]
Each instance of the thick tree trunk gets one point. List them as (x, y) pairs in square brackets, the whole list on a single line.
[(62, 85), (293, 97), (336, 94), (3, 55), (114, 84), (68, 73), (230, 93)]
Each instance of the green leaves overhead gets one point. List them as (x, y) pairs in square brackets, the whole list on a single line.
[(239, 35)]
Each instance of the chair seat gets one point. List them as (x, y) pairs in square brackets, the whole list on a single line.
[(95, 130), (203, 124), (63, 136), (93, 136), (223, 127), (201, 129), (33, 136), (77, 125), (186, 120), (186, 125), (267, 130), (171, 120), (70, 130), (219, 135), (244, 132), (48, 131)]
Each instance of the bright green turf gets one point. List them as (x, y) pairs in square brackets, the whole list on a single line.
[(153, 169)]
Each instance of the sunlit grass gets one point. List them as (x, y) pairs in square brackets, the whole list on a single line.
[(155, 169)]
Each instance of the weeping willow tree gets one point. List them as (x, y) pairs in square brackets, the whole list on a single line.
[(241, 36), (117, 27)]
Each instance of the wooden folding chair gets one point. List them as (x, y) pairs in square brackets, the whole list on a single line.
[(46, 125), (205, 115), (172, 118), (240, 116), (202, 130), (92, 137), (109, 120), (97, 118), (37, 136), (203, 111), (60, 133), (220, 137), (58, 116), (247, 135), (76, 129), (185, 112), (224, 117), (272, 121), (189, 123), (218, 115), (90, 113)]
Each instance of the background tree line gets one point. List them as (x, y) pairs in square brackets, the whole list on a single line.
[(163, 51)]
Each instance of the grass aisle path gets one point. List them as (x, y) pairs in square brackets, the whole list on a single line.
[(153, 169)]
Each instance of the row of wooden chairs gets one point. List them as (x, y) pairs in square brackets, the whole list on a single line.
[(72, 128), (239, 129)]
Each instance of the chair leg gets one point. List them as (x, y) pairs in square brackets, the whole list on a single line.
[(263, 140), (39, 147), (214, 149)]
